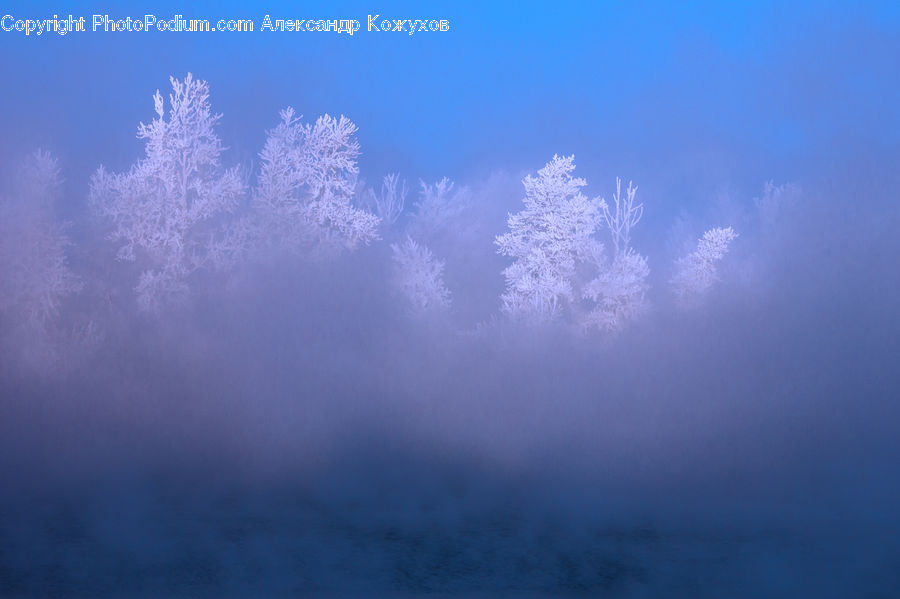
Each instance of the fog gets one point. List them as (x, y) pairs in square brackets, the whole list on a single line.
[(289, 424)]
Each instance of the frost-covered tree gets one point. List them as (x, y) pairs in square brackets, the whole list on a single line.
[(35, 277), (548, 240), (618, 293), (696, 272), (449, 218), (168, 208), (556, 251), (387, 205), (35, 272), (622, 216), (619, 289), (437, 207), (419, 277), (306, 186)]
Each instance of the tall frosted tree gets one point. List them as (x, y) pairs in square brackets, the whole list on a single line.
[(439, 207), (35, 277), (449, 218), (306, 186), (419, 277), (696, 273), (167, 210), (548, 240), (618, 293), (619, 289), (387, 205)]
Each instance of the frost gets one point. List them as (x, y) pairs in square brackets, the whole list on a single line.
[(419, 277), (168, 208), (548, 240), (696, 272), (618, 293), (308, 179), (438, 206), (556, 251), (625, 214), (35, 277), (389, 204), (446, 215), (619, 290)]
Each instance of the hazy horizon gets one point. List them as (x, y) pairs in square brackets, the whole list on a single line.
[(293, 425)]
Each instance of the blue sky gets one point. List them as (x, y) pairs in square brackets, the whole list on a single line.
[(685, 90)]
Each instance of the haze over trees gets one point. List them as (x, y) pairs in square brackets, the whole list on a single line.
[(180, 216), (549, 240), (307, 183), (598, 301), (560, 261), (168, 209), (36, 276), (420, 277), (696, 272)]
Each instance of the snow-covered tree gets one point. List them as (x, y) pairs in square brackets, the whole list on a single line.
[(618, 293), (419, 277), (451, 220), (696, 272), (437, 207), (35, 272), (619, 289), (548, 240), (38, 183), (389, 204), (623, 215), (168, 208), (35, 277), (306, 186)]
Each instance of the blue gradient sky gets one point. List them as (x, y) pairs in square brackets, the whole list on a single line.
[(672, 92)]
